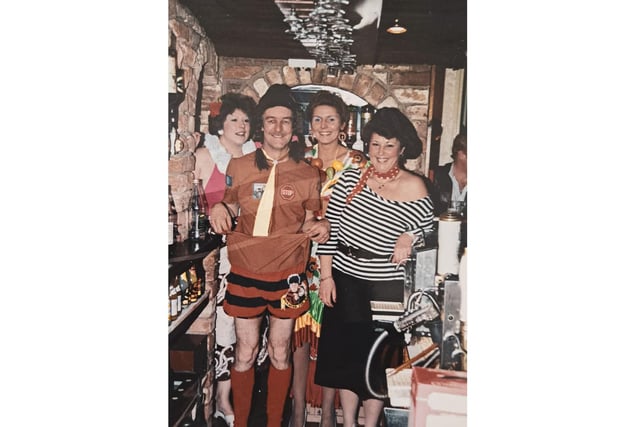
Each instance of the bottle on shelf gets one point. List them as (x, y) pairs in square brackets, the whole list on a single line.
[(205, 206), (173, 303), (185, 289), (176, 290), (366, 113), (352, 126), (199, 223), (173, 221), (195, 282)]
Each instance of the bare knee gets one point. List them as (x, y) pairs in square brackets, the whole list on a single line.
[(279, 354), (279, 344), (247, 333), (245, 357)]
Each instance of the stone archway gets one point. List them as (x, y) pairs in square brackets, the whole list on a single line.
[(402, 87)]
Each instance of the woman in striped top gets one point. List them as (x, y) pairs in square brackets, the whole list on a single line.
[(376, 215)]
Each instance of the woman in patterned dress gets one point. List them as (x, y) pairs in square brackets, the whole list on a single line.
[(328, 115)]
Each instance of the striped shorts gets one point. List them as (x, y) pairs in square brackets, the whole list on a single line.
[(285, 299)]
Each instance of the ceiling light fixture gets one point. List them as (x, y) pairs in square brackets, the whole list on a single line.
[(324, 31), (396, 29)]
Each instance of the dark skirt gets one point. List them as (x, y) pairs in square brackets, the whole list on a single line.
[(346, 339)]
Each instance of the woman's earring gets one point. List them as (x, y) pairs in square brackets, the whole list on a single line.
[(220, 132), (342, 137)]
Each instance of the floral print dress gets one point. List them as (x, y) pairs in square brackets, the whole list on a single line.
[(307, 327)]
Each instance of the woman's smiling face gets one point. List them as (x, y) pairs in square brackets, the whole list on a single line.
[(237, 127), (326, 124), (384, 153)]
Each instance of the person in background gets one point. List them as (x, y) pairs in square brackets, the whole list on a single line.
[(328, 116), (376, 215), (229, 136), (449, 189), (269, 249)]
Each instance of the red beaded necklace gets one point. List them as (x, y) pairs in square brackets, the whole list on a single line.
[(390, 175), (360, 185)]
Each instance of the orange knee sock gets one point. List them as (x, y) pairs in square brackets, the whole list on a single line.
[(277, 387), (242, 391)]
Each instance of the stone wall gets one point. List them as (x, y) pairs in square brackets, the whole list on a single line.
[(194, 50)]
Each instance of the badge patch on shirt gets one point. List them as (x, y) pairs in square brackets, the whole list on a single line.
[(258, 190), (228, 180), (296, 294), (287, 192)]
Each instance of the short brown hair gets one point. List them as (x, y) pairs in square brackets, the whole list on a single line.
[(459, 144)]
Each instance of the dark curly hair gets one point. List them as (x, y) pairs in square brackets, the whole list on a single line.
[(324, 97), (391, 123), (230, 103)]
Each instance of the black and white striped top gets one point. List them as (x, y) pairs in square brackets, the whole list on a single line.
[(372, 223)]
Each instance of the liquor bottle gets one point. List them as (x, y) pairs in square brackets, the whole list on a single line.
[(205, 207), (176, 290), (365, 117), (173, 220), (173, 301), (185, 289), (367, 112), (198, 211), (352, 126), (195, 290)]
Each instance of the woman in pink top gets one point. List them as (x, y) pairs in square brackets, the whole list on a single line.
[(229, 136)]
